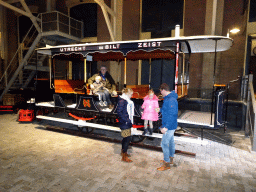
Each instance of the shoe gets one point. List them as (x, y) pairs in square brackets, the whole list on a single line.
[(145, 132), (125, 158), (150, 131), (164, 167), (101, 103), (110, 106)]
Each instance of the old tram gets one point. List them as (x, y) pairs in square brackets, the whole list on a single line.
[(162, 60)]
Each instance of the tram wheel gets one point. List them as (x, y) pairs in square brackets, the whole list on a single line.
[(138, 138), (89, 129), (80, 128)]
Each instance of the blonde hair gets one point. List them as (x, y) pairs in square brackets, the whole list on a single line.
[(127, 90), (150, 92), (98, 77)]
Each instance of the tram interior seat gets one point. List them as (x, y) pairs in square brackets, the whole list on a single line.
[(139, 91), (69, 86), (89, 91)]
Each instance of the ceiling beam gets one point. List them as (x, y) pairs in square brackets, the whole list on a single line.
[(3, 3), (31, 16)]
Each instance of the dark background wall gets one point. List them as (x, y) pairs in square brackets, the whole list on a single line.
[(194, 24)]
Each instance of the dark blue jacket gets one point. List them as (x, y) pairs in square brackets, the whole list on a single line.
[(169, 111), (123, 116)]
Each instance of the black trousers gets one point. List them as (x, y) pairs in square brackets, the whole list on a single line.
[(125, 143)]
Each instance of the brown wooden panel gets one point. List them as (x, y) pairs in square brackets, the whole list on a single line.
[(69, 86), (139, 91)]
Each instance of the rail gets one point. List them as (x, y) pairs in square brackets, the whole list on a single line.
[(27, 41), (251, 115), (57, 21)]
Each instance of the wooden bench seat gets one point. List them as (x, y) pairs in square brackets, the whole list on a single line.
[(69, 86), (139, 91)]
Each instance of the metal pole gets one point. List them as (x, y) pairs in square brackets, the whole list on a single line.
[(214, 71), (183, 76), (85, 71), (177, 67), (149, 81), (50, 68), (125, 72)]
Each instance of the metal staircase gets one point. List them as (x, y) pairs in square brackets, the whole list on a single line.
[(26, 61)]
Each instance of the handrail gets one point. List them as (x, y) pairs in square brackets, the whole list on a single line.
[(253, 97), (78, 26), (16, 53)]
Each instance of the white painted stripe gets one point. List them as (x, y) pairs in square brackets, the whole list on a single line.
[(194, 123), (117, 129)]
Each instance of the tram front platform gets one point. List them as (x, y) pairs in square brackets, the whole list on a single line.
[(33, 158)]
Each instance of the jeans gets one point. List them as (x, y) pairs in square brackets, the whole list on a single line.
[(104, 96), (168, 145)]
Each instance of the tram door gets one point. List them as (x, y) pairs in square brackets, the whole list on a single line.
[(162, 71)]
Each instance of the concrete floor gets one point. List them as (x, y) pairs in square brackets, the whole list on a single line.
[(35, 159)]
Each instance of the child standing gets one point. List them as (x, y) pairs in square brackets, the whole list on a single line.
[(150, 113), (125, 112)]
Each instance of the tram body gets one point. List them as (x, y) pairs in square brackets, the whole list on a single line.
[(72, 65)]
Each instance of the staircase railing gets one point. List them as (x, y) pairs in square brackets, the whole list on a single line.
[(57, 21), (24, 60), (9, 71), (250, 128), (49, 22)]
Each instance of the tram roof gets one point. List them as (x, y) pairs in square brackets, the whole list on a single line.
[(142, 49)]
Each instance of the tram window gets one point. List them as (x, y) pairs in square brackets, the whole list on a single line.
[(60, 69)]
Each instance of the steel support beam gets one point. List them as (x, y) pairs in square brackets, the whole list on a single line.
[(105, 10), (17, 9)]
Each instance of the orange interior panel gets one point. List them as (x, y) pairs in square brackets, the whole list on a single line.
[(69, 86), (139, 91)]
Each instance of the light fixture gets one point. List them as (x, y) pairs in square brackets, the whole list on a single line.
[(234, 31)]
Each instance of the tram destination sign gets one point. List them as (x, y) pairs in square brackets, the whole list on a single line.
[(123, 47)]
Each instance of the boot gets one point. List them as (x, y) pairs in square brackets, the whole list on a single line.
[(164, 167), (123, 152), (125, 158), (150, 131), (171, 160)]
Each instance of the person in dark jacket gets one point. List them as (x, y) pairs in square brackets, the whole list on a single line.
[(169, 112), (107, 80), (125, 112)]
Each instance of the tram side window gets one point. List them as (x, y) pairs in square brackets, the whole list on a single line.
[(68, 70), (61, 69)]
